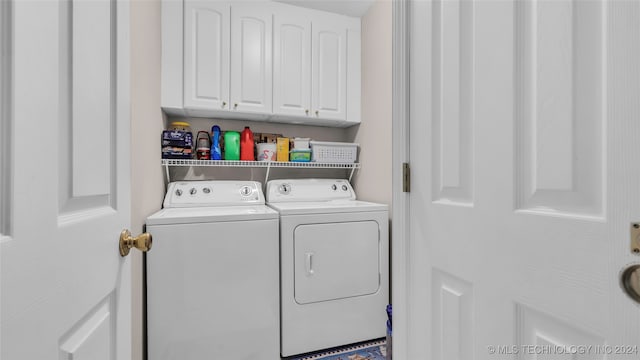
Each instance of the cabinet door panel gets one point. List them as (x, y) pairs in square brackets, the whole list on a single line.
[(292, 65), (206, 55), (329, 68), (251, 36)]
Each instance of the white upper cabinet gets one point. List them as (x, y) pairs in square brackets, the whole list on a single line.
[(206, 55), (316, 67), (251, 69), (291, 64), (329, 70), (264, 61)]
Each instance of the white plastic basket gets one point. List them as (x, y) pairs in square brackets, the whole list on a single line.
[(333, 152)]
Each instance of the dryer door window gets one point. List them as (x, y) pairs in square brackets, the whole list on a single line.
[(336, 260)]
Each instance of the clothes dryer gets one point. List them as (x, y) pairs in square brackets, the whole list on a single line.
[(334, 264)]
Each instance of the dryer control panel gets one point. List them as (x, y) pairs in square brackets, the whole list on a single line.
[(213, 193), (299, 190)]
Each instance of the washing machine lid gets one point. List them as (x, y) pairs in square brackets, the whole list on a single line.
[(327, 207), (170, 216)]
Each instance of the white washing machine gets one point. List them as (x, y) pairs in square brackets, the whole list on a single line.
[(334, 264), (212, 275)]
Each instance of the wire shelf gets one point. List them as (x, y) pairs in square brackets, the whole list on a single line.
[(259, 164)]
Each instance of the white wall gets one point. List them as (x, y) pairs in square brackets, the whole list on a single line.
[(373, 181), (147, 184)]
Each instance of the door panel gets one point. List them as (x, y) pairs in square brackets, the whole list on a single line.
[(88, 110), (5, 121), (251, 37), (92, 103), (66, 290), (536, 328), (533, 118), (292, 65), (453, 101), (453, 328), (329, 66), (559, 74), (206, 55), (91, 338), (335, 261)]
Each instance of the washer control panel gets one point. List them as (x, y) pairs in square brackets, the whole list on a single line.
[(213, 193), (297, 190)]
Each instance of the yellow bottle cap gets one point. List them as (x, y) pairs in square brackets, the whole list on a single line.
[(180, 123)]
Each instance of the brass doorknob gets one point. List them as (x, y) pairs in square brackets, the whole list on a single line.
[(141, 242)]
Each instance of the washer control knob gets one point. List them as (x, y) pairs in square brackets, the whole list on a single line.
[(206, 190), (344, 187), (245, 191), (178, 192), (284, 189), (334, 187), (193, 191)]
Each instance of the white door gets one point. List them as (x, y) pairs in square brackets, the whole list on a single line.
[(291, 63), (251, 72), (525, 179), (329, 69), (206, 55), (65, 288)]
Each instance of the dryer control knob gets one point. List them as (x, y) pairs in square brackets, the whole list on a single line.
[(344, 188), (284, 189), (178, 192), (334, 187), (193, 191)]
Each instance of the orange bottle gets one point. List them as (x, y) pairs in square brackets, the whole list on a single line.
[(246, 145)]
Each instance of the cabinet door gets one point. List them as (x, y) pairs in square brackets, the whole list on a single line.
[(329, 70), (251, 72), (206, 52), (292, 65)]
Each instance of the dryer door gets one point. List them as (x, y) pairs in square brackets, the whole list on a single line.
[(336, 260)]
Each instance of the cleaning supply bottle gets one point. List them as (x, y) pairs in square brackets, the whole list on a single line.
[(204, 146), (216, 153), (246, 145), (232, 145)]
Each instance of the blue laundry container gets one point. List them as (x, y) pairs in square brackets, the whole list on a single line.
[(389, 333)]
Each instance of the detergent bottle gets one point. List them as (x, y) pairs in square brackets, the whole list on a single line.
[(246, 145), (232, 145), (216, 153)]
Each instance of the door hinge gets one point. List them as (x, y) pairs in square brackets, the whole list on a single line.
[(406, 177), (635, 238)]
